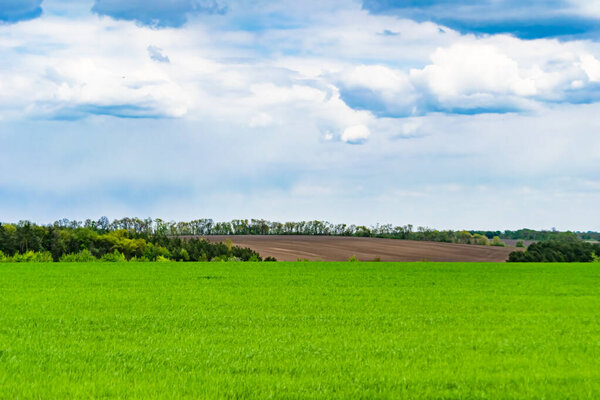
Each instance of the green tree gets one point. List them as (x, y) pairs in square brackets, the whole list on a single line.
[(496, 241)]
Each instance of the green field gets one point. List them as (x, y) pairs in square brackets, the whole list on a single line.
[(300, 330)]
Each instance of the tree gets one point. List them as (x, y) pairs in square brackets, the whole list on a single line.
[(496, 241), (481, 239), (103, 224), (464, 237)]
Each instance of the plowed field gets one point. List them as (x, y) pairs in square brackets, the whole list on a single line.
[(332, 248)]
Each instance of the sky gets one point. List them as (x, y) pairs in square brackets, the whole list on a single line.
[(450, 114)]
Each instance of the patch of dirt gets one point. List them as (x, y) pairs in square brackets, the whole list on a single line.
[(334, 248)]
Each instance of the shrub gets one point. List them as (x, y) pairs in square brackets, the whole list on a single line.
[(497, 242), (113, 257), (268, 259), (464, 237), (3, 258), (557, 251), (180, 255), (152, 252), (353, 258), (162, 259), (82, 256), (520, 243), (33, 257), (481, 240)]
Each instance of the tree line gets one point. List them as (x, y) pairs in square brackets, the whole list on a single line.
[(147, 228), (558, 251), (160, 240), (74, 241), (207, 226)]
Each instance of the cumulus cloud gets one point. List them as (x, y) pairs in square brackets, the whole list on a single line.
[(383, 90), (157, 13), (18, 10), (591, 66), (478, 75), (487, 74), (72, 82), (356, 134), (420, 69)]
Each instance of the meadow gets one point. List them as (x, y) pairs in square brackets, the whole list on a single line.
[(300, 330)]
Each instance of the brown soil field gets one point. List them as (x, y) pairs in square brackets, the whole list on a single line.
[(335, 248)]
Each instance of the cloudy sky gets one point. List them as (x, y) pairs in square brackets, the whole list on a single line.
[(442, 113)]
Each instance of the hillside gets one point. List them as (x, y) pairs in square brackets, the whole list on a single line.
[(335, 248)]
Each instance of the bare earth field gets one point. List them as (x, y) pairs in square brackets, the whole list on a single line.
[(332, 248)]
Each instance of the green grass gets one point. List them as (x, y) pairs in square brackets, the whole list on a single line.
[(300, 330)]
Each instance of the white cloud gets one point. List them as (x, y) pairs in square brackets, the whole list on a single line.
[(377, 77), (470, 69), (356, 134), (100, 69), (490, 73), (591, 66), (418, 69)]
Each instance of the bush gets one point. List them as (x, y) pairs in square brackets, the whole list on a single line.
[(180, 255), (162, 259), (353, 258), (113, 257), (153, 252), (481, 240), (269, 259), (496, 241), (2, 257), (82, 256), (33, 257), (557, 251), (520, 243)]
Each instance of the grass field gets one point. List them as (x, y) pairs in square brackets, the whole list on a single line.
[(300, 330)]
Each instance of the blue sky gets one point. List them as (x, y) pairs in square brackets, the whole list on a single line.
[(462, 114)]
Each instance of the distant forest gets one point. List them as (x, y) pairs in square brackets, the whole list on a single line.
[(157, 240), (206, 226)]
